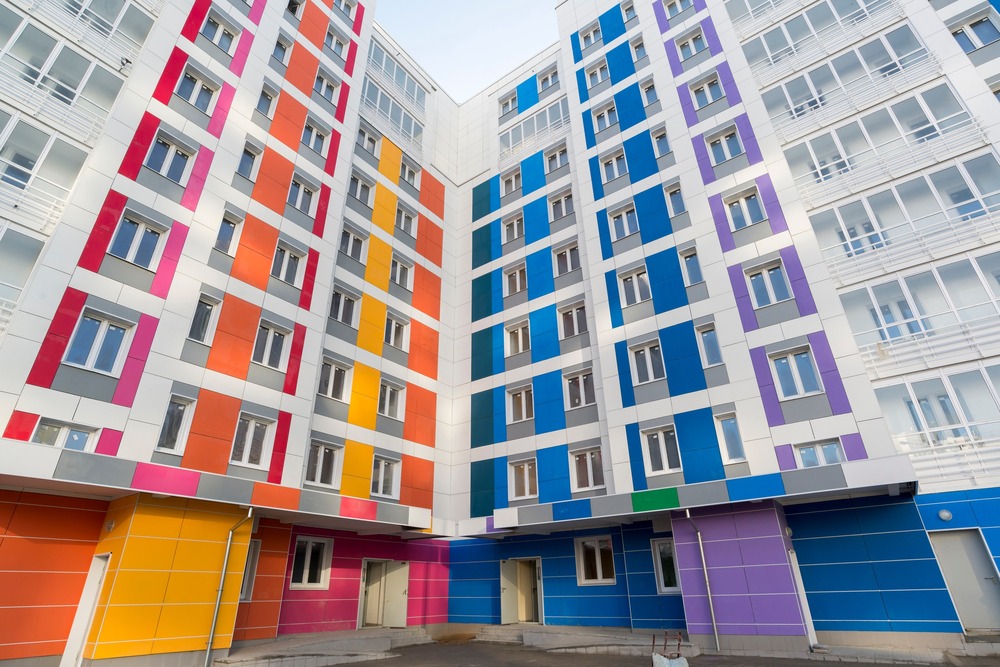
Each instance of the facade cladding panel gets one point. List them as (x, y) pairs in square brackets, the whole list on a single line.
[(675, 299)]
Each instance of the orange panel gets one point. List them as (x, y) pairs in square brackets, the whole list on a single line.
[(417, 482), (289, 117), (432, 194), (272, 495), (426, 292), (56, 523), (302, 67), (273, 180), (423, 349), (212, 428), (313, 24), (430, 239), (60, 501), (421, 415), (41, 555), (255, 253), (232, 346)]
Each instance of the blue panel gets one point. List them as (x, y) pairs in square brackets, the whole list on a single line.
[(919, 605), (682, 359), (581, 86), (574, 44), (625, 373), (500, 482), (651, 209), (481, 247), (612, 24), (495, 193), (604, 233), (620, 63), (884, 518), (839, 577), (893, 546), (945, 497), (859, 605), (553, 474), (540, 280), (481, 201), (499, 414), (532, 173), (901, 574), (482, 354), (496, 286), (482, 297), (631, 107), (550, 413), (573, 509), (638, 468), (496, 240), (665, 280), (543, 325), (588, 129), (699, 446), (830, 549), (481, 419), (481, 498), (536, 220), (640, 157), (527, 94), (498, 351), (614, 299), (756, 486), (595, 178)]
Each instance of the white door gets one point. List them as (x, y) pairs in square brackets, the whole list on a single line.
[(397, 582), (374, 593), (971, 576), (508, 592), (73, 653)]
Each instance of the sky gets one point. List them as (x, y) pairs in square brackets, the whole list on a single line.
[(465, 45)]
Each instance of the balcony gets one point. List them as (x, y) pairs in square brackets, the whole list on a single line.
[(953, 462), (765, 15), (36, 204), (534, 143), (374, 71), (381, 119), (861, 24), (6, 312)]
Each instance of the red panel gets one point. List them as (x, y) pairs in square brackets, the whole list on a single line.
[(104, 228), (352, 55), (281, 435), (195, 19), (345, 90), (331, 157), (21, 425), (358, 19), (358, 508), (137, 150), (171, 75), (295, 358), (309, 282), (322, 210), (57, 339)]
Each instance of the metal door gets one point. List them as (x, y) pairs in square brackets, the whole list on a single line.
[(508, 592), (397, 582), (971, 576)]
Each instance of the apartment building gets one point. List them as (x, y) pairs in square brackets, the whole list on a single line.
[(689, 322)]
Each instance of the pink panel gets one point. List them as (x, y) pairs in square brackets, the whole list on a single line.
[(242, 51), (165, 479), (104, 228), (170, 76), (281, 439), (138, 352), (358, 508), (196, 183), (168, 261), (218, 120), (257, 10), (109, 443), (137, 150)]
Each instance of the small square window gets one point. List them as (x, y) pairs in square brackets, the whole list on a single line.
[(707, 92), (587, 469), (595, 561), (513, 228), (820, 454), (556, 159), (360, 190), (547, 80), (343, 307), (508, 104), (395, 332), (265, 102), (745, 210), (691, 45), (269, 347), (325, 86), (408, 174), (406, 221), (401, 273), (280, 51), (219, 34), (573, 321), (335, 43), (590, 36), (562, 205), (511, 182), (661, 454), (976, 34), (334, 381), (597, 74), (660, 142), (176, 422), (314, 137), (287, 264), (635, 287), (624, 223), (647, 363), (251, 446), (311, 563), (523, 480), (649, 94), (725, 147), (521, 405), (368, 141), (323, 467), (346, 7), (390, 401), (614, 167), (206, 314), (168, 159), (605, 118), (516, 280), (796, 374), (567, 259), (518, 339), (352, 245), (302, 196), (385, 477), (768, 285), (638, 50), (137, 242), (193, 89), (628, 11), (580, 390)]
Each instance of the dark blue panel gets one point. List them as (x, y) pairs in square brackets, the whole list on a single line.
[(612, 24), (588, 129), (640, 157), (573, 509), (481, 419), (553, 474), (536, 220), (614, 299), (527, 94), (902, 574), (651, 209), (893, 546), (499, 414), (482, 354), (631, 107), (682, 359), (699, 446), (482, 297), (481, 247), (543, 325), (581, 86), (532, 173), (885, 518), (665, 280), (830, 549), (638, 468), (500, 482), (482, 484), (604, 233), (838, 577), (625, 374), (756, 486), (825, 524), (495, 193), (620, 63), (574, 45), (550, 413), (919, 605), (481, 201), (595, 178), (540, 280)]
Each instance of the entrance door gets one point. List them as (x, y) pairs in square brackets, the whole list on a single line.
[(73, 653), (520, 596), (397, 581), (374, 593), (972, 578), (527, 591), (508, 592)]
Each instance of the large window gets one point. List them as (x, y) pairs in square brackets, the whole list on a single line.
[(595, 561), (523, 480), (311, 563), (98, 344), (662, 454), (666, 566), (977, 34), (399, 118), (252, 441), (403, 80), (796, 374), (587, 469), (324, 464), (535, 127)]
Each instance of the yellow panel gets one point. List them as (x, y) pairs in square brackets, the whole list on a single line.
[(357, 474), (199, 556), (206, 526), (191, 587), (139, 587), (148, 553), (390, 160), (379, 262), (157, 521), (123, 650), (371, 328), (128, 623), (384, 211), (186, 620), (364, 396)]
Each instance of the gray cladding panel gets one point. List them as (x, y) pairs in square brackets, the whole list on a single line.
[(710, 110), (395, 354), (521, 429), (331, 408), (625, 244), (573, 343), (283, 290), (350, 264), (556, 174), (220, 261), (214, 50), (579, 416), (409, 189), (195, 353), (160, 184), (534, 514), (511, 198), (716, 376), (396, 514), (638, 311), (808, 407), (614, 186), (666, 161), (365, 156), (569, 278), (260, 120), (166, 459), (341, 331), (512, 245), (697, 292), (401, 293), (820, 478), (226, 489), (516, 299), (242, 472), (654, 108), (599, 88), (651, 391), (300, 218), (680, 221), (80, 382), (266, 377), (730, 167), (517, 361), (94, 469), (667, 481), (564, 222), (708, 493), (741, 469), (607, 133), (189, 112), (318, 502), (126, 272), (611, 505), (752, 234), (242, 184), (407, 240), (985, 54), (777, 313), (696, 59), (389, 426), (359, 207)]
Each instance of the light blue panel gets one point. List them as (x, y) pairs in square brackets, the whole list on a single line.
[(595, 178), (665, 280), (588, 129), (630, 105), (482, 296), (543, 325), (604, 233), (553, 475), (624, 373), (756, 486), (496, 240), (495, 193), (500, 482), (496, 285), (482, 354), (640, 157), (550, 413), (699, 446), (614, 299), (536, 220), (499, 414), (481, 419), (527, 94), (612, 24), (581, 84), (532, 173), (572, 509), (540, 279), (651, 209), (638, 468), (498, 352), (620, 63), (682, 359), (481, 247), (574, 45)]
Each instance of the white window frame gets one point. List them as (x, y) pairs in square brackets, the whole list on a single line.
[(590, 36), (669, 192), (556, 158), (199, 84), (251, 153), (565, 202), (508, 104), (173, 152), (548, 79), (253, 422), (742, 203), (365, 138), (313, 133), (594, 465), (649, 94), (234, 239), (335, 42), (766, 272), (605, 117), (316, 459), (406, 221), (520, 280), (629, 222), (385, 397), (401, 273), (578, 315), (250, 571), (598, 74), (307, 194), (570, 256), (675, 7), (218, 35), (273, 332), (351, 241), (651, 351), (657, 135), (579, 381), (691, 41), (327, 556), (524, 471), (269, 94), (820, 453), (408, 173), (337, 307), (703, 347), (105, 323), (213, 319), (361, 189), (183, 428), (517, 339), (711, 93), (790, 357), (722, 140), (728, 455), (966, 29), (142, 226), (511, 182), (631, 285), (379, 465), (602, 578), (686, 266), (326, 86), (287, 258), (346, 7), (614, 166), (628, 11), (638, 50), (661, 587), (328, 377), (396, 332), (281, 45), (63, 435), (524, 394), (513, 228), (663, 450)]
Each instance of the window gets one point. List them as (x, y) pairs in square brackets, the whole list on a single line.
[(706, 93), (168, 160), (711, 353), (250, 572), (314, 138), (587, 469), (395, 332), (390, 401), (512, 182), (220, 35), (628, 11), (175, 424), (280, 51), (225, 241), (691, 45), (557, 158), (666, 565), (399, 272), (614, 166), (796, 374), (725, 147), (408, 174), (265, 103), (136, 242), (513, 229), (404, 221), (977, 34), (675, 200), (352, 245), (661, 450), (590, 36), (523, 480), (66, 436), (562, 205), (294, 8), (731, 438), (333, 380), (548, 80), (649, 95), (203, 323), (285, 266), (311, 563), (745, 210), (269, 346), (368, 141), (324, 464), (193, 90), (660, 142), (385, 477), (521, 405), (595, 561), (635, 286), (518, 339), (335, 42), (360, 190), (820, 454), (251, 442), (97, 344), (342, 308), (344, 6), (648, 362), (574, 321), (768, 285), (567, 259), (247, 168), (597, 74), (517, 280), (606, 117), (325, 87), (624, 223), (638, 50), (692, 269), (536, 125), (580, 390), (300, 195), (391, 111), (508, 104)]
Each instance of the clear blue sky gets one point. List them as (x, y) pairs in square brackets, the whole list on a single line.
[(468, 44)]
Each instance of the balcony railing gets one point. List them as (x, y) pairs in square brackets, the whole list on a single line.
[(509, 156), (897, 158), (766, 14), (863, 23), (36, 205), (375, 71), (954, 462), (855, 97), (383, 122), (6, 311)]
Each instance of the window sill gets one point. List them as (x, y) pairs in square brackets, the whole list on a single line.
[(773, 303), (520, 421), (728, 159), (785, 399), (661, 473), (581, 407), (385, 496), (249, 466), (597, 582), (588, 488), (637, 303), (270, 368), (395, 419), (751, 225), (669, 591), (320, 486), (308, 587)]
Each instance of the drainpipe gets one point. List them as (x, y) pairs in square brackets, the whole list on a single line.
[(704, 571), (222, 583)]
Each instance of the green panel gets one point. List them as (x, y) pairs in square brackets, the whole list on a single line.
[(657, 499)]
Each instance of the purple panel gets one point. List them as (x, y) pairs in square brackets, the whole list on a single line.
[(687, 553), (661, 16), (687, 105), (704, 163), (693, 582), (797, 279), (765, 381), (717, 527), (786, 457), (772, 208), (783, 609), (675, 60), (729, 581), (749, 139), (721, 223), (697, 628), (780, 630), (739, 629), (742, 293), (723, 554), (832, 382), (711, 36), (699, 5), (729, 83), (733, 608), (770, 579), (757, 524), (490, 526), (764, 551), (854, 447)]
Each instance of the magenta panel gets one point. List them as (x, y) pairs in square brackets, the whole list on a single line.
[(242, 51), (170, 76), (137, 150), (168, 261), (109, 443), (221, 112), (359, 18), (196, 183), (102, 232), (257, 10), (142, 340), (165, 479)]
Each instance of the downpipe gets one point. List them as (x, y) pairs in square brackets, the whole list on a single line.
[(222, 584), (704, 571)]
